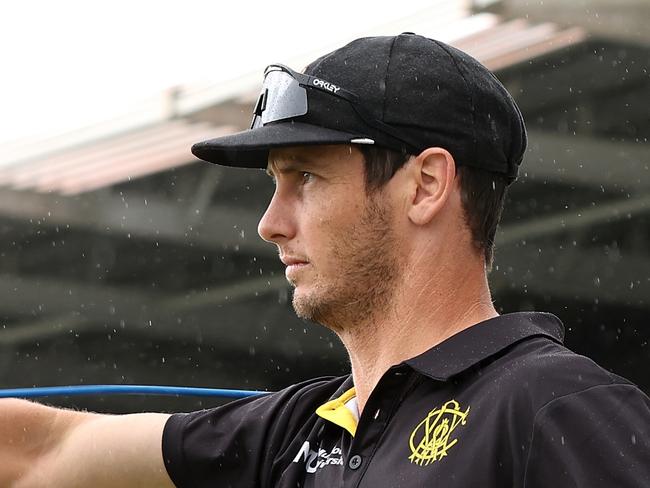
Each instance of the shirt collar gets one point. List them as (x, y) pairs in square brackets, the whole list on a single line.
[(479, 342)]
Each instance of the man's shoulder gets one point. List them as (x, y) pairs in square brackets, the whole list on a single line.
[(539, 371), (577, 413)]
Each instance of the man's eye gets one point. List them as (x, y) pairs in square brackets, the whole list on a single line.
[(307, 176)]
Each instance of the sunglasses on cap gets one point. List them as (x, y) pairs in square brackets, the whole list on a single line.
[(284, 96)]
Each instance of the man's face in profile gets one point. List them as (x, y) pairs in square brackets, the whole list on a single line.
[(336, 240)]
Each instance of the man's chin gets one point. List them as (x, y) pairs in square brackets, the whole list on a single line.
[(307, 305), (300, 301)]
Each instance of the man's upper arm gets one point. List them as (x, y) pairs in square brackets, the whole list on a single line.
[(105, 451)]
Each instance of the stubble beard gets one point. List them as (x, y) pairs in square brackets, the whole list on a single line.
[(366, 282)]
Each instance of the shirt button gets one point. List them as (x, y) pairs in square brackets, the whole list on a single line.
[(355, 462)]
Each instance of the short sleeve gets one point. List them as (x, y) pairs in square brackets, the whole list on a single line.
[(599, 437), (234, 445)]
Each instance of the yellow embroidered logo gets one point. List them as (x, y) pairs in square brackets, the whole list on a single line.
[(430, 440)]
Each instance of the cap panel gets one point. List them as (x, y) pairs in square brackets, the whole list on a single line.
[(359, 67), (499, 130), (427, 94)]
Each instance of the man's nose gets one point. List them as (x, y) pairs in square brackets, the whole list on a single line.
[(276, 225)]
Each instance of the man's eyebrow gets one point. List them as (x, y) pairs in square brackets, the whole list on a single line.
[(296, 164)]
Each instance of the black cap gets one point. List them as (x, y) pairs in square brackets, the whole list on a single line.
[(432, 93)]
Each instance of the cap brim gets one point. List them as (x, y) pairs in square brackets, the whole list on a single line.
[(250, 148)]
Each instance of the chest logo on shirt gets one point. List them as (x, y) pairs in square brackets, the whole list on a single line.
[(315, 460), (432, 438)]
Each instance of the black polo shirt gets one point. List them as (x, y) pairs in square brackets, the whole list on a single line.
[(500, 404)]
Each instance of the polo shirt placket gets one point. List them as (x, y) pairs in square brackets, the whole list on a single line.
[(378, 412)]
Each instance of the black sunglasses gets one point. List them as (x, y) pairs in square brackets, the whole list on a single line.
[(284, 96)]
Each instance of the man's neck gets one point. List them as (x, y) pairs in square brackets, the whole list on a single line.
[(421, 316)]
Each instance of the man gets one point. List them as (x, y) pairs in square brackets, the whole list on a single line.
[(391, 157)]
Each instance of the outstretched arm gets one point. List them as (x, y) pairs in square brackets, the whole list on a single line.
[(44, 446)]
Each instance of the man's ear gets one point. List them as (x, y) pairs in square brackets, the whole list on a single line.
[(434, 173)]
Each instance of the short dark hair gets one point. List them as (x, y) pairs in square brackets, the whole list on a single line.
[(482, 193)]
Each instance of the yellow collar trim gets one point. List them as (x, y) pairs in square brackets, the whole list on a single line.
[(336, 412)]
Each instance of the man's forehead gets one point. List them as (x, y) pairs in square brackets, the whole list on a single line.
[(322, 155), (287, 154)]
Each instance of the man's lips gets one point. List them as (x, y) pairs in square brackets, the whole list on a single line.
[(292, 261), (293, 264)]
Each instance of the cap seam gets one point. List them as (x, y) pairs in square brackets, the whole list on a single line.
[(471, 98), (390, 56), (319, 61)]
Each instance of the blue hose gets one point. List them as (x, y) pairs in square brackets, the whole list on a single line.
[(125, 390)]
